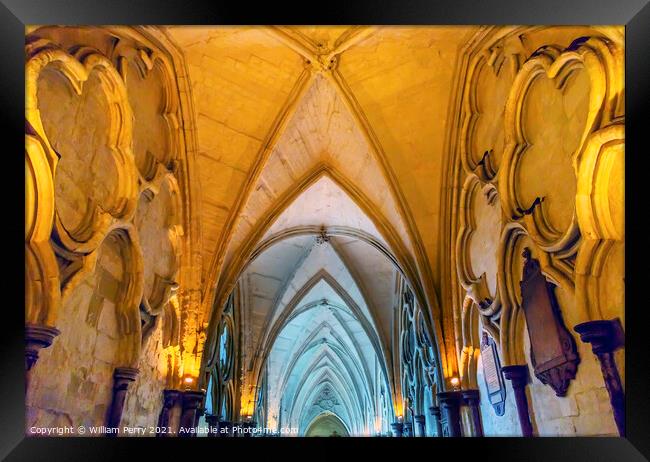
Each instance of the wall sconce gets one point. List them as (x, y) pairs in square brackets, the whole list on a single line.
[(188, 382), (455, 382)]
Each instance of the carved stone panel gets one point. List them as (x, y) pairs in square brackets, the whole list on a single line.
[(489, 80), (553, 349)]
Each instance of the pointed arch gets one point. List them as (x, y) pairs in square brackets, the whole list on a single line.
[(288, 313), (243, 256), (325, 416)]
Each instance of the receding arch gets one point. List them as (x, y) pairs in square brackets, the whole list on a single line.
[(383, 246), (329, 348), (286, 315), (243, 256), (352, 399), (327, 420)]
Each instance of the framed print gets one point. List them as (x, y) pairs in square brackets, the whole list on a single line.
[(388, 224)]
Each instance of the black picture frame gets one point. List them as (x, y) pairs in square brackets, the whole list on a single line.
[(634, 14)]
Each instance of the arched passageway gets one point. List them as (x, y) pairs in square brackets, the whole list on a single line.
[(319, 294), (305, 231), (327, 425)]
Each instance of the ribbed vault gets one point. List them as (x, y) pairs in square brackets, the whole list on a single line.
[(306, 215), (317, 301)]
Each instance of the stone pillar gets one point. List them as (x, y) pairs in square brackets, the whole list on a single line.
[(420, 424), (247, 427), (519, 377), (472, 398), (36, 338), (450, 406), (398, 429), (435, 412), (605, 336), (170, 399), (191, 400), (213, 423), (408, 429), (122, 377), (200, 411)]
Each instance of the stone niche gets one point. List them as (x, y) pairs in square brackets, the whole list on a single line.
[(74, 377), (553, 122), (77, 127), (154, 121)]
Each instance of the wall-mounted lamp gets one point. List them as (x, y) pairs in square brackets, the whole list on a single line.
[(455, 382), (188, 382)]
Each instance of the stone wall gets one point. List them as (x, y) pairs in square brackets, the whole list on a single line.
[(90, 346), (102, 114), (539, 166)]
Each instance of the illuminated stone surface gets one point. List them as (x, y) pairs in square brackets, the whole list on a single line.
[(358, 198)]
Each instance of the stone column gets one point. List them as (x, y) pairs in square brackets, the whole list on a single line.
[(435, 412), (472, 399), (36, 338), (247, 427), (408, 429), (122, 378), (213, 422), (200, 411), (450, 406), (519, 377), (170, 399), (191, 400), (420, 423), (605, 336), (398, 429)]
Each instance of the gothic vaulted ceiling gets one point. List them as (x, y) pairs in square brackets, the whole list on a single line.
[(278, 108), (320, 162)]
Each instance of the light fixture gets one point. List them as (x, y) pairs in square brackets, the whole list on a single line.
[(188, 381), (454, 382)]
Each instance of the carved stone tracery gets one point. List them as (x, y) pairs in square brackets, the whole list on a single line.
[(90, 237), (560, 125)]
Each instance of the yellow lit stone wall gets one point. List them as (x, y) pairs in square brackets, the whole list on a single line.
[(541, 119), (132, 207), (108, 239)]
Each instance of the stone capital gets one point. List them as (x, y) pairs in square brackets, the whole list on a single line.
[(123, 376), (449, 398), (435, 411), (170, 397), (398, 428), (192, 399), (471, 397), (37, 337), (517, 374), (605, 336)]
